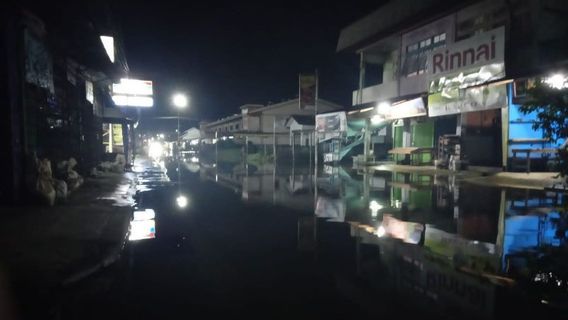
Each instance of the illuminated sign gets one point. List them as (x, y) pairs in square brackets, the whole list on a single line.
[(133, 101), (133, 87), (133, 93), (406, 109)]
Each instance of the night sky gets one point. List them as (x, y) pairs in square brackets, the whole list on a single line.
[(227, 55)]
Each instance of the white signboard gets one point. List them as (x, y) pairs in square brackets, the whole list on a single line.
[(133, 93), (485, 97), (133, 87), (133, 101), (406, 109), (331, 122)]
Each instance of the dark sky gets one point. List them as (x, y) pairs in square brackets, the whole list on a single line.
[(227, 55)]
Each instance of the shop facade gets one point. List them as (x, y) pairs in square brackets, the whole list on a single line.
[(465, 62)]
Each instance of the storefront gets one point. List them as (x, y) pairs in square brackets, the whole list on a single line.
[(412, 130), (466, 85)]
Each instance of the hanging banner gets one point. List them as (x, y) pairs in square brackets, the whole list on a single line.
[(485, 97), (308, 90), (331, 122)]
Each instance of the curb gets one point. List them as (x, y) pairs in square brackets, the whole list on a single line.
[(107, 260)]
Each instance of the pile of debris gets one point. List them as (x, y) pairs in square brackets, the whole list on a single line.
[(66, 180), (55, 187), (117, 166)]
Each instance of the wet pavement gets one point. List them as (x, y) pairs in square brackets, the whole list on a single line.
[(277, 243)]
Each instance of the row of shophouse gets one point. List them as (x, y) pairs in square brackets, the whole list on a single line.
[(281, 124), (443, 71), (57, 66), (438, 80)]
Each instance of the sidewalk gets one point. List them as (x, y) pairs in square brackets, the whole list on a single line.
[(521, 180), (490, 177), (43, 248)]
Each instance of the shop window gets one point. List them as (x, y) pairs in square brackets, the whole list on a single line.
[(373, 74), (90, 96), (112, 138), (416, 58)]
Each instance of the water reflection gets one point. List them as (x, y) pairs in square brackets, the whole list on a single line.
[(181, 201), (143, 225), (457, 247)]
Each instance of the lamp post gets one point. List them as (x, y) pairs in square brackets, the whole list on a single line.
[(180, 102)]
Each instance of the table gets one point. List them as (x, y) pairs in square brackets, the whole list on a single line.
[(412, 151)]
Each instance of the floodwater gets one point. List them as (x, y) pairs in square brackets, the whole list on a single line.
[(260, 241)]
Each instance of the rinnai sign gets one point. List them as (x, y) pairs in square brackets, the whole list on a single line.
[(468, 63), (483, 49), (133, 93)]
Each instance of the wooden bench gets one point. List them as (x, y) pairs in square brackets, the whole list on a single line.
[(529, 140), (412, 151), (528, 152)]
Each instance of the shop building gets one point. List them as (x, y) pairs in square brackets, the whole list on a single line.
[(461, 62), (56, 74)]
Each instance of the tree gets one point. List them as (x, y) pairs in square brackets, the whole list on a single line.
[(550, 103)]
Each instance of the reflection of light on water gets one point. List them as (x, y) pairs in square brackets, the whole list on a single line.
[(146, 214), (375, 207), (142, 229), (155, 150), (380, 231), (181, 201)]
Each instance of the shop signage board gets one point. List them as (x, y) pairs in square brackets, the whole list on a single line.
[(485, 97), (331, 122), (133, 93), (308, 90), (406, 109), (469, 62), (458, 72)]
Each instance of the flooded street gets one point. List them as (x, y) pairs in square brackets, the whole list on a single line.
[(264, 242)]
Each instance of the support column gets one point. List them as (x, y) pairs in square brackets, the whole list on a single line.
[(361, 78), (274, 138), (367, 140), (505, 137)]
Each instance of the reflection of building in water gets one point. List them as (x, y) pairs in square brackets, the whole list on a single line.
[(265, 184), (452, 246)]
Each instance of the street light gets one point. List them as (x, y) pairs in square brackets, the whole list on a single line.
[(180, 102)]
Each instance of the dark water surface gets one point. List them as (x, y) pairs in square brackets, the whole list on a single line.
[(265, 242)]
